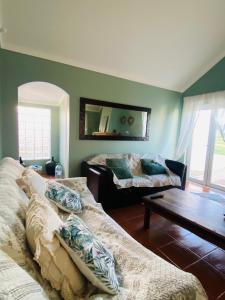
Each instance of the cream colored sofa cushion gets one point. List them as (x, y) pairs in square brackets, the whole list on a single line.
[(32, 182), (15, 283), (10, 168), (56, 265)]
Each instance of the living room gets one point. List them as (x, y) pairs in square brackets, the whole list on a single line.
[(164, 60)]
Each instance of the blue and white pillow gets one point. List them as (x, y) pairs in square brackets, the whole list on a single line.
[(89, 254), (65, 198)]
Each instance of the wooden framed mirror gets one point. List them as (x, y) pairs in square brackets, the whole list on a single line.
[(102, 120)]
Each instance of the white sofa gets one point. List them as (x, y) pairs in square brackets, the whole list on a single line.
[(143, 275)]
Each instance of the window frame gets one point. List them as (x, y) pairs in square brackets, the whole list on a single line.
[(34, 157)]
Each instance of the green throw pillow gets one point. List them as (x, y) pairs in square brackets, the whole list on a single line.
[(151, 167), (120, 167)]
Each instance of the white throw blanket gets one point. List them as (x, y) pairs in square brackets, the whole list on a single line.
[(139, 179), (143, 275)]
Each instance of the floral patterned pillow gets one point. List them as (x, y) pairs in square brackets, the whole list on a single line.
[(65, 198), (89, 254)]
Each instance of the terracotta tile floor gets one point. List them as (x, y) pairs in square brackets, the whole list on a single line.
[(178, 246)]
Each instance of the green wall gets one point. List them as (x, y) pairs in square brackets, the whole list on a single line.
[(1, 129), (164, 122), (212, 81)]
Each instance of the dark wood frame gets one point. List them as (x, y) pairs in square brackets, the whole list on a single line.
[(84, 101)]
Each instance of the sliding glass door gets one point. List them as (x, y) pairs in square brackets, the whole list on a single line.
[(217, 173), (199, 147), (207, 152)]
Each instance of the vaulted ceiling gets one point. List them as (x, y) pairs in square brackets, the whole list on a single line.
[(169, 44)]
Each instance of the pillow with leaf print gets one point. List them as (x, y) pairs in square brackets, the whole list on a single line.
[(64, 197), (92, 258)]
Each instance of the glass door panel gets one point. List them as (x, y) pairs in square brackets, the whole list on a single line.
[(199, 148), (218, 162)]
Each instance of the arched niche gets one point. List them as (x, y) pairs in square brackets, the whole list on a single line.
[(45, 93)]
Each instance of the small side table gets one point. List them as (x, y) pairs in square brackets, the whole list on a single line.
[(46, 176)]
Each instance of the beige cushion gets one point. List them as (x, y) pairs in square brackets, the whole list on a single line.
[(32, 182), (15, 283), (56, 265), (10, 169)]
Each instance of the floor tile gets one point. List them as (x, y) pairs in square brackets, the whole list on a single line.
[(153, 240), (127, 213), (134, 225), (197, 244), (178, 254), (159, 223), (162, 255), (150, 238), (216, 258), (212, 280), (177, 232)]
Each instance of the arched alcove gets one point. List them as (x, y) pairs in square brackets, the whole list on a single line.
[(47, 94)]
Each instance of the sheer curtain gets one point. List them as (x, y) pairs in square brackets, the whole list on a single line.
[(217, 102), (191, 108)]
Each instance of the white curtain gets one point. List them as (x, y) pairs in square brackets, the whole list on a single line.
[(217, 102), (220, 121), (191, 108)]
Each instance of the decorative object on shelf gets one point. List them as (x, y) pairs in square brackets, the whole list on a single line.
[(130, 120), (58, 171), (50, 167), (37, 168), (123, 120), (22, 162)]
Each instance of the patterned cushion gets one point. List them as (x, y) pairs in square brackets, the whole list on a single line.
[(89, 254), (56, 265), (65, 198), (15, 283)]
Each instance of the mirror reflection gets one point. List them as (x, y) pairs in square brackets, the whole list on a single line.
[(102, 120), (106, 120)]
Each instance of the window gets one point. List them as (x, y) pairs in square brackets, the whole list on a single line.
[(207, 151), (34, 132)]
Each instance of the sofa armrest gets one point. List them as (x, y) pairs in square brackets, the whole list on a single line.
[(100, 182), (94, 182), (179, 169)]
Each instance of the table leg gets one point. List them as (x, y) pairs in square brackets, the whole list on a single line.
[(147, 217)]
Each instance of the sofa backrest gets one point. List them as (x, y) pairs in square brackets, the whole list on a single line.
[(133, 158), (10, 169), (13, 205)]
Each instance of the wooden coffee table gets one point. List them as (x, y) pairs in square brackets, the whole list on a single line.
[(202, 216)]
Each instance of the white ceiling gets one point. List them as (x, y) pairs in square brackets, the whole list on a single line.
[(43, 93), (164, 43)]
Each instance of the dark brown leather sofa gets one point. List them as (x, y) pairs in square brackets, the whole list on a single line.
[(100, 182)]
